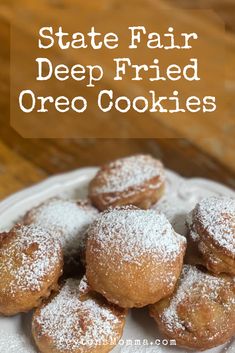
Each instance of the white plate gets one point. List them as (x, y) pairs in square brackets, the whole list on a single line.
[(182, 194)]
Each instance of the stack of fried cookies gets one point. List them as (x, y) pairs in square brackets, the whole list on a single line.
[(82, 264)]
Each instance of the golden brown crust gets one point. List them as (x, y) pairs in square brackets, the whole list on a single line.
[(216, 260), (138, 180), (77, 321), (212, 232), (135, 286), (133, 256), (30, 266), (201, 312)]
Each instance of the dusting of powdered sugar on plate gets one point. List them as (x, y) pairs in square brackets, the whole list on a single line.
[(14, 343)]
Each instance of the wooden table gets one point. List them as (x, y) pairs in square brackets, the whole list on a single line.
[(24, 161)]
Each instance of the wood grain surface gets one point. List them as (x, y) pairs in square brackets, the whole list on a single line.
[(26, 161)]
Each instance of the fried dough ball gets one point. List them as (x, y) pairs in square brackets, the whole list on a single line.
[(77, 321), (31, 263), (200, 314), (133, 256), (138, 180), (69, 221), (212, 230)]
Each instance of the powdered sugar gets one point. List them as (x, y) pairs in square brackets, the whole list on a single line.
[(27, 258), (14, 343), (190, 224), (217, 216), (132, 232), (194, 282), (66, 218), (129, 172), (84, 287), (72, 323)]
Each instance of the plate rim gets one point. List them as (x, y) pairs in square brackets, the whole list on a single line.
[(55, 181)]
